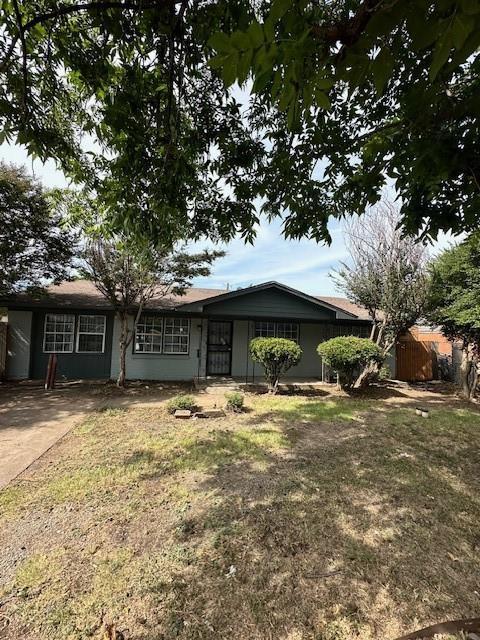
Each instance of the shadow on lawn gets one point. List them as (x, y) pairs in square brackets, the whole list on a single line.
[(367, 534)]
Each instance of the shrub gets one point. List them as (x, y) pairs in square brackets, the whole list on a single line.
[(347, 354), (235, 401), (276, 355), (182, 401)]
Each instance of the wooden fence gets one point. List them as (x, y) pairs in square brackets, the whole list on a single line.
[(416, 361), (3, 348)]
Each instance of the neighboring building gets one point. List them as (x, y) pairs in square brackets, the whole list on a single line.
[(203, 333), (424, 353)]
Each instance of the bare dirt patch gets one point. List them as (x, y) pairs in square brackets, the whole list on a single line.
[(303, 518)]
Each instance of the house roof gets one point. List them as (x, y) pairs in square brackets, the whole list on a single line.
[(347, 306), (82, 294)]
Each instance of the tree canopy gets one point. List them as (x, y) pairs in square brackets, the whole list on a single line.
[(119, 93), (34, 248), (455, 303), (386, 274), (129, 276), (455, 290), (131, 97)]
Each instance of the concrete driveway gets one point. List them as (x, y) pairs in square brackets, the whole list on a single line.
[(32, 420)]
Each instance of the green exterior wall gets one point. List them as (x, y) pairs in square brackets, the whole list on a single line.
[(71, 366), (270, 303), (158, 366), (310, 336)]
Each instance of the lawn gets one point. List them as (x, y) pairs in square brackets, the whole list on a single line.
[(303, 518)]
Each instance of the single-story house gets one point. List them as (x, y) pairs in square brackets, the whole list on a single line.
[(205, 332)]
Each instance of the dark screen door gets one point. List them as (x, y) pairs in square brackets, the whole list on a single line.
[(219, 351)]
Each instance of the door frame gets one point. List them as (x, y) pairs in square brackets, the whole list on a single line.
[(230, 322)]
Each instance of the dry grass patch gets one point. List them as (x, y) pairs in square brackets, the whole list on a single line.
[(302, 519)]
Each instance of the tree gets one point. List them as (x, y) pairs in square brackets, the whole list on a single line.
[(277, 356), (387, 275), (120, 95), (129, 276), (454, 304), (351, 94), (346, 95), (34, 247), (347, 355)]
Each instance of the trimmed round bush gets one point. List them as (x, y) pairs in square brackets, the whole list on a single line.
[(182, 401), (276, 355), (235, 401), (347, 355)]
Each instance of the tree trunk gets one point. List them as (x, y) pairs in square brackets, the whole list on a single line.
[(367, 376), (467, 389), (122, 374)]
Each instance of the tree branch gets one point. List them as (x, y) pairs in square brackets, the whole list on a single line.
[(348, 31), (64, 10), (21, 30)]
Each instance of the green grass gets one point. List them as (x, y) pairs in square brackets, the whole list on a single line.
[(223, 529)]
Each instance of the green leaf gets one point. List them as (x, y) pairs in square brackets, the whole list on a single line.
[(261, 81), (423, 34), (240, 40), (217, 62), (382, 68), (470, 7), (322, 100), (279, 9), (243, 67), (230, 69), (440, 55), (286, 97), (324, 83), (462, 26), (255, 33), (220, 42)]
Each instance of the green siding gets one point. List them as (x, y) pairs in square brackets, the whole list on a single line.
[(71, 365), (270, 303), (160, 366), (310, 336)]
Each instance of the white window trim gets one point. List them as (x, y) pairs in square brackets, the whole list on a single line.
[(275, 324), (89, 333), (147, 353), (45, 350), (177, 353)]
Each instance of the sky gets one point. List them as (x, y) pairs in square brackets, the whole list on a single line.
[(303, 264)]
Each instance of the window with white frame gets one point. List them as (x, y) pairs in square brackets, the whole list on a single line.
[(288, 330), (148, 335), (58, 333), (264, 329), (176, 335), (91, 334)]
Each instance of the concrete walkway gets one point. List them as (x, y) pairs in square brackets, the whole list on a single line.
[(32, 420)]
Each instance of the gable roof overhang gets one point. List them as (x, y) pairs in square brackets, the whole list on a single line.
[(201, 306)]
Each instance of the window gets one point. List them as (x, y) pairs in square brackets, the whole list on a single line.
[(58, 334), (148, 335), (264, 329), (91, 334), (287, 330), (176, 335)]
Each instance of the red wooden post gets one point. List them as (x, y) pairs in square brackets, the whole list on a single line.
[(51, 371)]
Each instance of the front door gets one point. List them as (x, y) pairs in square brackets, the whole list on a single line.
[(219, 348)]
